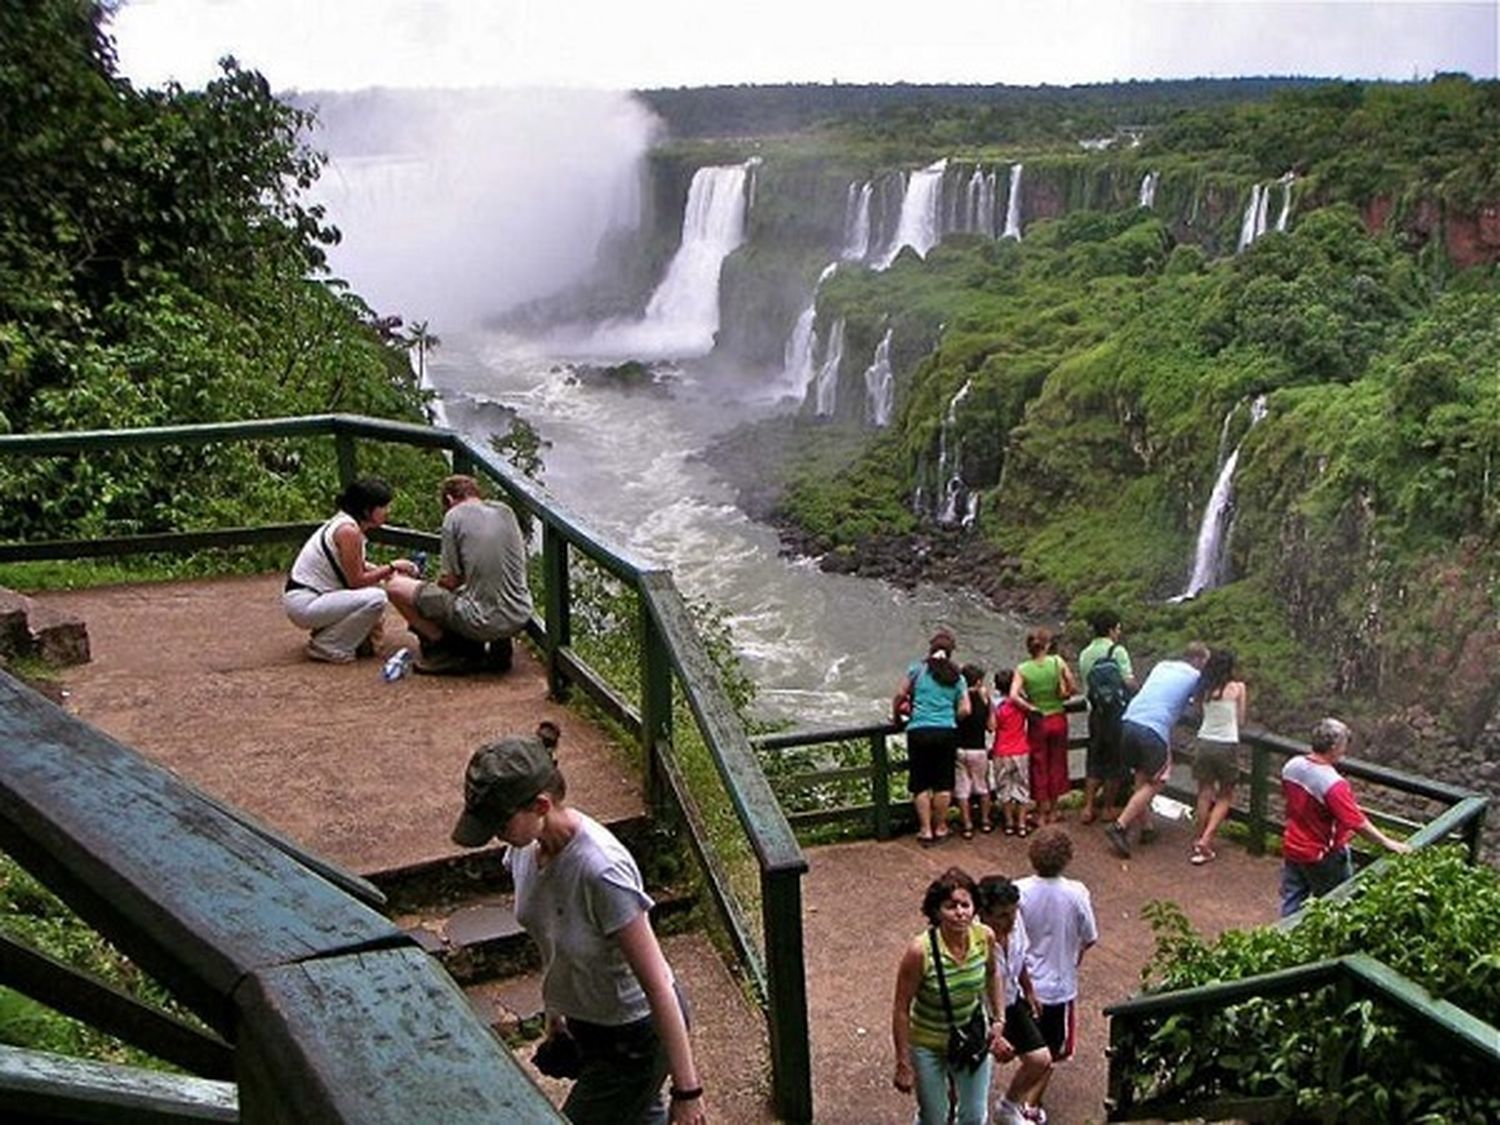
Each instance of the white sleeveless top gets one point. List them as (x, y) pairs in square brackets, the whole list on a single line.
[(313, 568), (1221, 721)]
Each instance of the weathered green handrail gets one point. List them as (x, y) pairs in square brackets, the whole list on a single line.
[(234, 927), (672, 646)]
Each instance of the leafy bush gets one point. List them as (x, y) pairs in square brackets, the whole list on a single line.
[(1290, 1046)]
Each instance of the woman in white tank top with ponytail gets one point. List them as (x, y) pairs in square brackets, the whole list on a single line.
[(1216, 764)]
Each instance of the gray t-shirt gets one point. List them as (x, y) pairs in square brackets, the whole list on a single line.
[(572, 907), (482, 546)]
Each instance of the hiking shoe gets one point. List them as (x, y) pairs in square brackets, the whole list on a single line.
[(317, 652), (1118, 840), (445, 662), (1008, 1112)]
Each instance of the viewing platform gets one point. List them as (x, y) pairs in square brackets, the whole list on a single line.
[(208, 679)]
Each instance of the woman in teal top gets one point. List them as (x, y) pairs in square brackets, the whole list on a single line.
[(919, 1021), (935, 696)]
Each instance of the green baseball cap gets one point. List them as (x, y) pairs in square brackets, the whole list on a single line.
[(502, 777)]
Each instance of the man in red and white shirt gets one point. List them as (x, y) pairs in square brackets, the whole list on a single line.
[(1322, 816)]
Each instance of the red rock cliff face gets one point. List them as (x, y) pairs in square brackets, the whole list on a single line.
[(1473, 240), (1468, 239)]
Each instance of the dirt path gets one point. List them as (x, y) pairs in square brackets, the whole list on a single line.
[(209, 679)]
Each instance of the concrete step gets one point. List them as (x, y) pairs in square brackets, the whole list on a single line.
[(45, 632), (460, 909)]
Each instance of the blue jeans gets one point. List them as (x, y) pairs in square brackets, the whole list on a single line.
[(1300, 881), (971, 1088)]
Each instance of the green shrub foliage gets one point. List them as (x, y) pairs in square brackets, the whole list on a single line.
[(1431, 917), (158, 266)]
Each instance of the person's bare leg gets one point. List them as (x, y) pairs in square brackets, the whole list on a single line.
[(940, 814), (402, 592), (965, 816), (1223, 802), (1091, 787), (1140, 800), (922, 803), (1030, 1080), (1110, 799)]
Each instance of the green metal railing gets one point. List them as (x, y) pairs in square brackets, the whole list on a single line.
[(674, 659), (1460, 820)]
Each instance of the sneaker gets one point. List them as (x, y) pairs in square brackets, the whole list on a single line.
[(1008, 1112), (1117, 839), (1035, 1114), (317, 652)]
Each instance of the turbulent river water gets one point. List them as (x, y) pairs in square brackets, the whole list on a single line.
[(823, 648)]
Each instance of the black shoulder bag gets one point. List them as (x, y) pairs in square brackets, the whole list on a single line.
[(969, 1043)]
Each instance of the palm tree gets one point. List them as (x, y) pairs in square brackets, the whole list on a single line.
[(424, 341)]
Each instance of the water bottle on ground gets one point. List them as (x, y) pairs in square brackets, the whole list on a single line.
[(397, 665), (419, 560)]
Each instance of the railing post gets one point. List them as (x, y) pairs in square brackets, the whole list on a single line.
[(656, 704), (786, 984), (343, 450), (463, 464), (880, 785), (1260, 766), (1474, 831), (559, 607), (1120, 1094)]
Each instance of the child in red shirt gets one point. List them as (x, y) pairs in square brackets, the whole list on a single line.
[(1011, 754)]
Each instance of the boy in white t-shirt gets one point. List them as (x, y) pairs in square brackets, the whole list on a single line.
[(1060, 922)]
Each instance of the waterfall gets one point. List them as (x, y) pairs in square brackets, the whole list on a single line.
[(1148, 189), (950, 465), (683, 314), (797, 357), (980, 213), (1286, 200), (880, 383), (857, 222), (826, 389), (1213, 539), (1013, 205), (920, 225), (1248, 231)]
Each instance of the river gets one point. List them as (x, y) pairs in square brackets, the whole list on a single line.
[(822, 648)]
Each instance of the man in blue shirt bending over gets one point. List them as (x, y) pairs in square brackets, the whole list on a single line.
[(1146, 736)]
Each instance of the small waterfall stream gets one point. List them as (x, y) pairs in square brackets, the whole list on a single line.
[(880, 384), (1013, 205), (1147, 197), (950, 467), (1213, 532), (826, 387)]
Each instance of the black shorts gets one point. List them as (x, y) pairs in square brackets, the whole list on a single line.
[(1021, 1031), (1141, 750), (932, 754), (1059, 1027)]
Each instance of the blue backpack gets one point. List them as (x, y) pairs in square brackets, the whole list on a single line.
[(1106, 689)]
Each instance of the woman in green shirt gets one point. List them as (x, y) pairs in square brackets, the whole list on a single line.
[(1041, 686)]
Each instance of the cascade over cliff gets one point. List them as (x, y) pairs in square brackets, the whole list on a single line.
[(1051, 352)]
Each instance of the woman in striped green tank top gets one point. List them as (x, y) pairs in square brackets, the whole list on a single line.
[(919, 1023)]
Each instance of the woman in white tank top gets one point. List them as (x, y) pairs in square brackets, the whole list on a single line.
[(1216, 765)]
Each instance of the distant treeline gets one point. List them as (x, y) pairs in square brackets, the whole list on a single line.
[(995, 113)]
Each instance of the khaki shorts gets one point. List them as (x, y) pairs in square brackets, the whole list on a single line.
[(1216, 763)]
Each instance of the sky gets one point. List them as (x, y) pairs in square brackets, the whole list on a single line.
[(629, 44)]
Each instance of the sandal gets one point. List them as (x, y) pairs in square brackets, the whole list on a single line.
[(1088, 817), (986, 828), (926, 841), (1023, 832), (1202, 855), (968, 833), (941, 837)]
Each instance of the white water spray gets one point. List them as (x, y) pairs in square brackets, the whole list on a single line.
[(1213, 538)]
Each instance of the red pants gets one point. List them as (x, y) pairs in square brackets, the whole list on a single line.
[(1047, 740)]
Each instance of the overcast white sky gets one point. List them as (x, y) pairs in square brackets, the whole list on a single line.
[(620, 44)]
